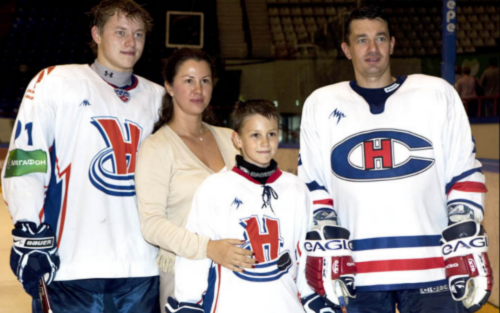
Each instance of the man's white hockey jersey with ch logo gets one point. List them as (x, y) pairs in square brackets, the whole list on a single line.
[(391, 175)]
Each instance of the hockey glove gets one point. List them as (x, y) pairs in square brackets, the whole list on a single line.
[(173, 306), (33, 255), (316, 304), (464, 246), (330, 269)]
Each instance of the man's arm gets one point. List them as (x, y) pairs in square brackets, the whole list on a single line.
[(330, 272), (464, 242), (312, 302), (27, 169), (310, 168), (25, 177)]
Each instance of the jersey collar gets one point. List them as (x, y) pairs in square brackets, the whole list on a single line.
[(274, 176)]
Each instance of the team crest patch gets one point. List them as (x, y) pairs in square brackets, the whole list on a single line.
[(262, 236), (112, 169), (123, 94), (381, 154)]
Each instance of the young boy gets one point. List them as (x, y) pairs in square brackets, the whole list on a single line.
[(265, 207)]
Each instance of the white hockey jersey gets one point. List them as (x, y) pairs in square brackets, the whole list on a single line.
[(390, 176), (231, 205), (71, 164)]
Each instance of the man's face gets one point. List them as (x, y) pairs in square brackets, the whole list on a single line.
[(369, 49), (120, 42)]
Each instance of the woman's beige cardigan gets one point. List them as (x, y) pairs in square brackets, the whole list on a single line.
[(167, 176)]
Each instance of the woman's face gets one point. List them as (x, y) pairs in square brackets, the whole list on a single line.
[(192, 87)]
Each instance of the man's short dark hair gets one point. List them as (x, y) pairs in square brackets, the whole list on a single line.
[(371, 12), (100, 14), (244, 109)]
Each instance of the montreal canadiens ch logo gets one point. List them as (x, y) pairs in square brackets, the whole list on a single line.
[(383, 154), (112, 169), (263, 238)]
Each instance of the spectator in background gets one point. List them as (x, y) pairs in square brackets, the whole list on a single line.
[(466, 88), (458, 73), (490, 81), (466, 85)]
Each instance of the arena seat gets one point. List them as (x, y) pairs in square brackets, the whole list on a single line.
[(296, 11), (284, 11), (297, 20), (319, 11), (286, 20), (308, 11)]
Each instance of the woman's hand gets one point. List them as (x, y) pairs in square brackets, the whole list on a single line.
[(226, 253)]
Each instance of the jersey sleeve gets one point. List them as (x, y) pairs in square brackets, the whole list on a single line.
[(310, 168), (27, 171), (465, 182), (192, 276), (306, 224), (152, 180)]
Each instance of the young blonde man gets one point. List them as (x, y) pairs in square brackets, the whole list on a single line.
[(69, 178)]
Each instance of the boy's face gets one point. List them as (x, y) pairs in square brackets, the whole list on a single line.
[(258, 139), (120, 42)]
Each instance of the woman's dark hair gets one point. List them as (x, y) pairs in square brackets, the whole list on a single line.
[(245, 109), (170, 71), (371, 12)]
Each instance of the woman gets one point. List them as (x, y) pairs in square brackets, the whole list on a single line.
[(174, 161)]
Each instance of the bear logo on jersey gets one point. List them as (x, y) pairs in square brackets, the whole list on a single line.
[(383, 154), (112, 169), (263, 238)]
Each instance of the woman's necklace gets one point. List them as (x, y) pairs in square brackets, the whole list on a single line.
[(201, 132)]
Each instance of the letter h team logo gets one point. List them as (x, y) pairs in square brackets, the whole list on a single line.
[(263, 238), (382, 154), (112, 169), (378, 154)]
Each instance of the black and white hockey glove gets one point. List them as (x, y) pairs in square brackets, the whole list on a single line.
[(316, 304), (464, 246), (33, 255), (173, 306), (330, 269)]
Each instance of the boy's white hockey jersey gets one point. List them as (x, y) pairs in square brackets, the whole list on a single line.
[(231, 205), (71, 164), (390, 176)]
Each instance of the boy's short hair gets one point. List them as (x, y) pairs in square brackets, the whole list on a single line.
[(245, 109), (100, 14)]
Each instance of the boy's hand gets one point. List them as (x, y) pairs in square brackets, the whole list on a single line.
[(226, 253)]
